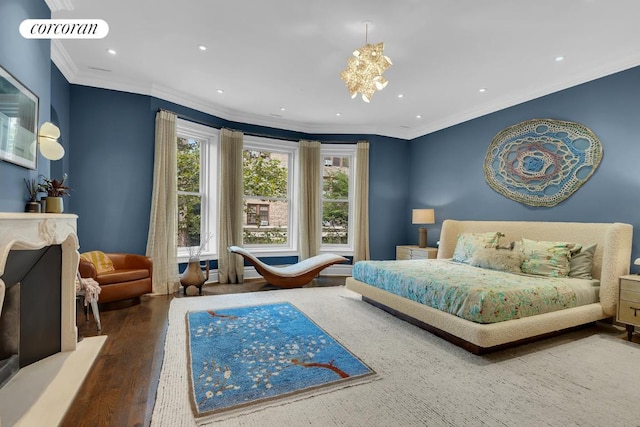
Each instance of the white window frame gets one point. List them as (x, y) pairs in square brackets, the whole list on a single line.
[(341, 150), (292, 149), (209, 149)]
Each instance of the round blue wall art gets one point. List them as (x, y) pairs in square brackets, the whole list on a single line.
[(541, 162)]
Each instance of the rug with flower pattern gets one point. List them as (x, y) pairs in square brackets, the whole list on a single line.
[(265, 354)]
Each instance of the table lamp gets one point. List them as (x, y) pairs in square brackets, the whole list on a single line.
[(422, 216)]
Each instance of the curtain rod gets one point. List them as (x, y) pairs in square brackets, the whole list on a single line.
[(260, 135)]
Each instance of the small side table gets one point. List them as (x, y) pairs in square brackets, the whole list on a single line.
[(415, 252), (629, 303)]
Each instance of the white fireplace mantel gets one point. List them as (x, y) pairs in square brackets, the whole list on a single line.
[(32, 231)]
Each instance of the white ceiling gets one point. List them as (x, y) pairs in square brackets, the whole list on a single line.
[(267, 55)]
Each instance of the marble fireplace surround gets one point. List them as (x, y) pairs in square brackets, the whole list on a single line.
[(32, 231)]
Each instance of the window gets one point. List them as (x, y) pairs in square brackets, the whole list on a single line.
[(269, 194), (337, 196), (197, 160), (270, 175), (257, 214)]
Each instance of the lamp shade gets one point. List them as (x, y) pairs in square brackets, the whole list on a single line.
[(48, 140), (49, 130), (50, 148), (423, 216)]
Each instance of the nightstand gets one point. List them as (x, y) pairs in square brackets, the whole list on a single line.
[(415, 252), (629, 302)]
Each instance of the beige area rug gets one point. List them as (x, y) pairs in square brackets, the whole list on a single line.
[(583, 378), (41, 393)]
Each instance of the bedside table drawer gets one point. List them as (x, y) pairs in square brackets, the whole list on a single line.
[(629, 312), (630, 285), (403, 252), (630, 296), (415, 252)]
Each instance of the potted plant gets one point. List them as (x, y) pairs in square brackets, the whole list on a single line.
[(55, 190), (33, 188)]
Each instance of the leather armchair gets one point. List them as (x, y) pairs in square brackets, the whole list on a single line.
[(131, 279)]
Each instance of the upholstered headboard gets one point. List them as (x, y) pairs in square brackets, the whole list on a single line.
[(611, 260)]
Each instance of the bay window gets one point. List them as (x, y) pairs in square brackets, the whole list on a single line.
[(270, 179)]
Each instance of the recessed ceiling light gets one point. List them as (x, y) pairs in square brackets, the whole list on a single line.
[(559, 58), (282, 109), (482, 90), (338, 114), (202, 47), (418, 116), (111, 51), (220, 91), (400, 95)]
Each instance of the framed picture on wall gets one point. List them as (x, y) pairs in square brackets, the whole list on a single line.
[(18, 122)]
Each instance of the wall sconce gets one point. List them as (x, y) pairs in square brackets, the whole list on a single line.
[(48, 141), (423, 216)]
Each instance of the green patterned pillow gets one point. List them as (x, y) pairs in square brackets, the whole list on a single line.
[(497, 259), (469, 243), (552, 259)]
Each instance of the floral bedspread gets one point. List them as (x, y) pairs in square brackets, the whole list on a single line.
[(472, 293)]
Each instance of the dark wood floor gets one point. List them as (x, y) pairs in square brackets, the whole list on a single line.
[(121, 387)]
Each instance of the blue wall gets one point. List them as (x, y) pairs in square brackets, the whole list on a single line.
[(111, 167), (28, 61), (61, 116), (446, 166), (111, 164)]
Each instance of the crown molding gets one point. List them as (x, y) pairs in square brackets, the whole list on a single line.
[(56, 5), (502, 103), (180, 98), (68, 68), (63, 61)]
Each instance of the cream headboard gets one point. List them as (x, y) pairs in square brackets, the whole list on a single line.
[(612, 257)]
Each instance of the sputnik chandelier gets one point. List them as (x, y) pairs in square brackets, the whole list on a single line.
[(364, 70)]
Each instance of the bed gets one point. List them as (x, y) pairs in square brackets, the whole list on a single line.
[(573, 304)]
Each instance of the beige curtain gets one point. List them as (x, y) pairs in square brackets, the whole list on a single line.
[(230, 266), (162, 239), (310, 212), (361, 208)]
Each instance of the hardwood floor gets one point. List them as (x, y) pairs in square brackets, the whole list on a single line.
[(121, 386)]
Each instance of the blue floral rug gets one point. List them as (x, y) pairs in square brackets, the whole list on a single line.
[(249, 357)]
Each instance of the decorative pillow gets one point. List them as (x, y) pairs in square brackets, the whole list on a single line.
[(582, 263), (101, 261), (495, 259), (469, 243), (550, 259), (506, 246)]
